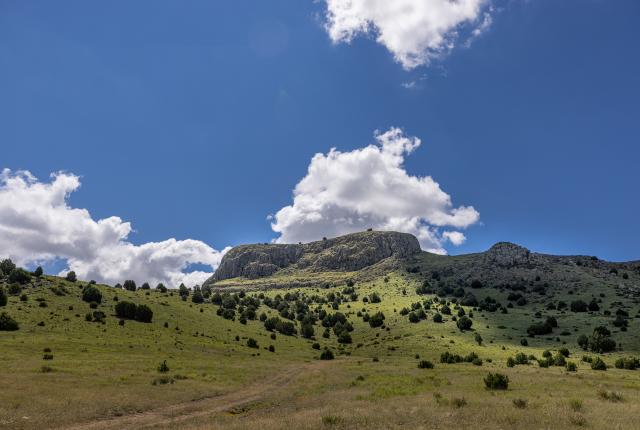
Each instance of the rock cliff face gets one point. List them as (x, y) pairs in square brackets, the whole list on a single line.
[(345, 253)]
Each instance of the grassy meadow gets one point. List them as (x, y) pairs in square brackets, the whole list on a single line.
[(106, 374)]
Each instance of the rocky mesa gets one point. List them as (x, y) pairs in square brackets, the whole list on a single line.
[(345, 253)]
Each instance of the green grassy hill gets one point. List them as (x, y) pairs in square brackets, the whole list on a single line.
[(232, 364)]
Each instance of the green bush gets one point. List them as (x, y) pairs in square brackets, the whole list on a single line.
[(579, 306), (38, 272), (252, 343), (197, 297), (425, 364), (376, 320), (521, 358), (559, 360), (598, 364), (307, 331), (144, 314), (91, 294), (126, 310), (374, 298), (71, 276), (629, 363), (4, 299), (129, 285), (464, 323), (344, 337), (496, 381), (539, 329), (327, 354), (163, 367), (19, 276), (478, 338), (571, 366), (6, 266), (7, 323), (437, 318)]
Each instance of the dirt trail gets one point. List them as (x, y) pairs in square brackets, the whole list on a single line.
[(181, 412)]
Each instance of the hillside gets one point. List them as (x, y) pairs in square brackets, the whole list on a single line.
[(411, 335)]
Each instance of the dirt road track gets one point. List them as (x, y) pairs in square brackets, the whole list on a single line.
[(182, 412)]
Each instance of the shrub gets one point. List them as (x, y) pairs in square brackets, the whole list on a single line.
[(458, 402), (476, 283), (425, 364), (6, 266), (3, 297), (47, 356), (374, 298), (611, 396), (598, 364), (307, 331), (197, 297), (126, 310), (129, 285), (71, 276), (600, 341), (629, 363), (559, 360), (521, 358), (163, 367), (437, 318), (575, 405), (478, 338), (38, 272), (464, 323), (19, 276), (524, 342), (571, 366), (315, 345), (252, 343), (91, 294), (520, 403), (327, 354), (144, 314), (583, 341), (539, 329), (579, 306), (160, 287), (496, 381), (511, 362), (344, 337), (7, 323), (376, 320)]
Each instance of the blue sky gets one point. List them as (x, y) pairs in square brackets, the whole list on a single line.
[(198, 119)]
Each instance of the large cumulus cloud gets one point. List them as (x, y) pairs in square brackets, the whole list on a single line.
[(344, 192), (37, 225)]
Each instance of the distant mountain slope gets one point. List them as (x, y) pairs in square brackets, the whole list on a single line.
[(370, 253)]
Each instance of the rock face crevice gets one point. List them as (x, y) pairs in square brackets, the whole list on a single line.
[(345, 253)]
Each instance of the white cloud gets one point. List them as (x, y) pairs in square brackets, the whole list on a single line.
[(37, 225), (344, 192), (455, 237), (414, 31)]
